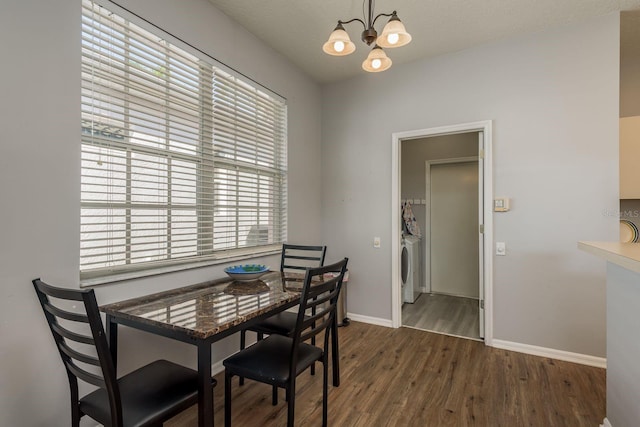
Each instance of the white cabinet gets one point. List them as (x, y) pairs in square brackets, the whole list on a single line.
[(630, 157)]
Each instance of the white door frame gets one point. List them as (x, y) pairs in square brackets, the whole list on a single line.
[(426, 284), (396, 225)]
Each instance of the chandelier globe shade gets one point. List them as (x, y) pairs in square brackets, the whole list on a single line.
[(377, 61), (393, 34), (339, 43)]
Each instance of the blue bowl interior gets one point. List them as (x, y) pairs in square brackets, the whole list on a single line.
[(247, 269)]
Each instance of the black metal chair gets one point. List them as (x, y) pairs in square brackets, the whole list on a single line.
[(147, 396), (279, 359), (300, 257), (294, 258)]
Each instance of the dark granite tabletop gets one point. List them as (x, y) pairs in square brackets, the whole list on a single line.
[(210, 308)]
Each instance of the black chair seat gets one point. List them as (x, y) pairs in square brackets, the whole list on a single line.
[(149, 395), (263, 361), (283, 323)]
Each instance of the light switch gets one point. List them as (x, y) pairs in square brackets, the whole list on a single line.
[(501, 204), (376, 242), (501, 249)]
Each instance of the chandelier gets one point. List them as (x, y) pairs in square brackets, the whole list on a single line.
[(393, 35)]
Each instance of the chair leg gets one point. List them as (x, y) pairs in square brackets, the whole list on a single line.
[(227, 398), (325, 400), (260, 336), (313, 340), (75, 415), (75, 407), (313, 365), (291, 408), (243, 343), (274, 396), (335, 355)]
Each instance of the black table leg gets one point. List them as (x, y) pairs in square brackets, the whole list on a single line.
[(112, 336), (205, 390), (334, 353)]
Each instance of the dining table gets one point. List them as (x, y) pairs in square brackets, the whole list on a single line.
[(204, 313)]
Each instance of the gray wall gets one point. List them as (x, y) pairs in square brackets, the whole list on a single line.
[(40, 184), (553, 98)]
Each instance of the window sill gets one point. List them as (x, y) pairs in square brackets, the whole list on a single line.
[(130, 275)]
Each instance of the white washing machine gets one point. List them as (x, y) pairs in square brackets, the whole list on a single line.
[(410, 268)]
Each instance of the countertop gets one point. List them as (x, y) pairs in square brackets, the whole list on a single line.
[(210, 308), (626, 255)]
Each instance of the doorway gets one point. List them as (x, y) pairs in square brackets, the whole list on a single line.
[(449, 299), (445, 282)]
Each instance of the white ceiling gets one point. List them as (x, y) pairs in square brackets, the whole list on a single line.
[(298, 28)]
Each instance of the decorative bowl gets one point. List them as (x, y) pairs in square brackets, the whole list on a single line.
[(246, 271)]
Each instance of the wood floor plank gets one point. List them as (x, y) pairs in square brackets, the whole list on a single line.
[(406, 377)]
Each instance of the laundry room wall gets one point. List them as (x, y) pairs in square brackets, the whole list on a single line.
[(414, 154)]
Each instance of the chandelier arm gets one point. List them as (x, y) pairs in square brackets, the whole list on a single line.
[(352, 20), (382, 14)]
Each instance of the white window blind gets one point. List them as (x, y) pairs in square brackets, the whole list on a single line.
[(183, 162)]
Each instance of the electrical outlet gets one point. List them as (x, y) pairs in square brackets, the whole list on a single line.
[(501, 249), (376, 242)]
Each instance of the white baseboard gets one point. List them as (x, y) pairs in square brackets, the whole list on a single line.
[(583, 359), (217, 367), (567, 356), (606, 423), (370, 320)]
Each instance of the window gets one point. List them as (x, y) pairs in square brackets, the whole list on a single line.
[(183, 161)]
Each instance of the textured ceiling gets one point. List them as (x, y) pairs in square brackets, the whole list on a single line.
[(298, 28)]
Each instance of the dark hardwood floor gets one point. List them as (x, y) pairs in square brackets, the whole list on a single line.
[(407, 377)]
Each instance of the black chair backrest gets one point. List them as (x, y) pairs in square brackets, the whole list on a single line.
[(78, 350), (320, 293), (301, 257)]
